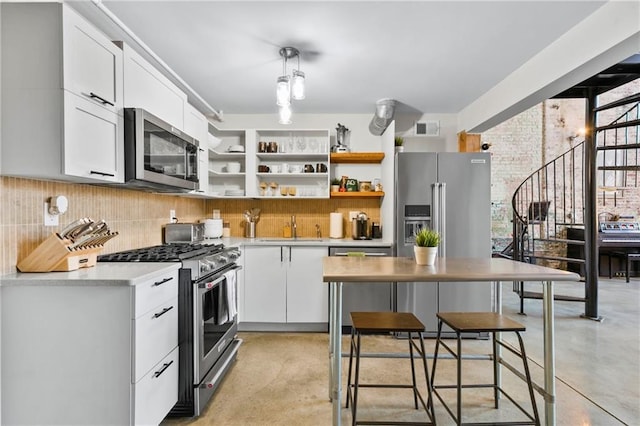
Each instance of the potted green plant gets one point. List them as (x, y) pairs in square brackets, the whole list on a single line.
[(398, 141), (426, 248), (335, 185)]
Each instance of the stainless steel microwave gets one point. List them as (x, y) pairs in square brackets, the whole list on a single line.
[(157, 156)]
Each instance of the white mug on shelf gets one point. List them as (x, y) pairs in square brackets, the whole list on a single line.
[(284, 167)]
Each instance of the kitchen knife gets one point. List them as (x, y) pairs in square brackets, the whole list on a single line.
[(68, 230), (82, 231)]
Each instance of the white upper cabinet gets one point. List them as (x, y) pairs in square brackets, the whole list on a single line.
[(62, 90), (196, 125), (145, 87), (92, 63)]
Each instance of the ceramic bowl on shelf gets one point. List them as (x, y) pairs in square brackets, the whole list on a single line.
[(213, 141), (236, 148), (233, 167)]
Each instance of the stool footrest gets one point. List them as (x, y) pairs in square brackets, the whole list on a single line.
[(380, 385), (374, 422)]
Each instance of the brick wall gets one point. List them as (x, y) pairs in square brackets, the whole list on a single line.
[(526, 142)]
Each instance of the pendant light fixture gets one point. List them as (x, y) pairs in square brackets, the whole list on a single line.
[(284, 114), (289, 87)]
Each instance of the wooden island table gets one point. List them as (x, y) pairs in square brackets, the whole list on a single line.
[(339, 270)]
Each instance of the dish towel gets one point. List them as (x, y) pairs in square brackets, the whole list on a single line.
[(230, 279)]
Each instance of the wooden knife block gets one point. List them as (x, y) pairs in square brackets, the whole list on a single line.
[(54, 254)]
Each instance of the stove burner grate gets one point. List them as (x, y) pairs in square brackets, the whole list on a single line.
[(162, 253)]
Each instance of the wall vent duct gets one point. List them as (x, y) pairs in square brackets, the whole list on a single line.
[(385, 109), (427, 128)]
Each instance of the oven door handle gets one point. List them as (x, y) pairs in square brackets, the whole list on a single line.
[(235, 344), (211, 284)]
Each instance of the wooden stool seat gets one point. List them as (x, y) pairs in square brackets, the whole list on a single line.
[(478, 322), (387, 322)]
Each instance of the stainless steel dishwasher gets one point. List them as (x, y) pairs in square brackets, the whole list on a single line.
[(363, 297)]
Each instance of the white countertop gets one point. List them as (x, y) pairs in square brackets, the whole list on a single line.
[(278, 241), (103, 274)]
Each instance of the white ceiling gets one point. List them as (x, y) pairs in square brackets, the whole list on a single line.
[(431, 56)]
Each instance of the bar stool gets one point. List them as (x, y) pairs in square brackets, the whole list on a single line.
[(387, 322), (482, 322)]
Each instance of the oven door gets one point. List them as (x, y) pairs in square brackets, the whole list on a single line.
[(215, 319)]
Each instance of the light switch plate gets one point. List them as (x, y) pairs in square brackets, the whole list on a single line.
[(49, 219)]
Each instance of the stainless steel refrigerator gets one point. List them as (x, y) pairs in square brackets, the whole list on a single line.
[(451, 193)]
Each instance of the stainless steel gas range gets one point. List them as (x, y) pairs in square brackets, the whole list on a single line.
[(207, 315)]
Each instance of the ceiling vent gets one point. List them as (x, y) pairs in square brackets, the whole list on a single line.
[(427, 128)]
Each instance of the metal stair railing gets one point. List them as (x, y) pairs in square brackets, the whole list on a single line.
[(545, 205), (548, 206)]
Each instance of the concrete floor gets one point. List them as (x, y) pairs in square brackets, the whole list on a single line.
[(281, 378)]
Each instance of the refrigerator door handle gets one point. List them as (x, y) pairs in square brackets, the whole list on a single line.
[(443, 218), (435, 201)]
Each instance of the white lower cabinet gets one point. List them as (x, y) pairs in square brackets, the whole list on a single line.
[(95, 351), (283, 284), (156, 393)]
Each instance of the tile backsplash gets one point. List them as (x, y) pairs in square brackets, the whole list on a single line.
[(139, 216)]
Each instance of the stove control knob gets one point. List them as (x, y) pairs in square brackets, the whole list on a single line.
[(205, 266), (234, 254), (223, 259)]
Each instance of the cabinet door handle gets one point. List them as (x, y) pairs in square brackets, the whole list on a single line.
[(164, 367), (164, 311), (157, 283), (100, 98), (95, 172)]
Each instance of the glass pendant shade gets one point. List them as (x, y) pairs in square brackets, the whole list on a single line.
[(283, 91), (297, 88), (284, 115)]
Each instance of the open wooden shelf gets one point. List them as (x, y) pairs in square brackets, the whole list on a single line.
[(357, 194), (357, 157)]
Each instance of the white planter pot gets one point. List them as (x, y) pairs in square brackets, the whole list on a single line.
[(425, 255)]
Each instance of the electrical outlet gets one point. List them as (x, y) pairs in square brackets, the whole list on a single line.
[(49, 219), (172, 215)]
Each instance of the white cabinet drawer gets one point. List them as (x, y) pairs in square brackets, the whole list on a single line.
[(156, 334), (157, 392), (154, 291)]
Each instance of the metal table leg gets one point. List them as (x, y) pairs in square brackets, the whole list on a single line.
[(335, 336), (498, 353), (332, 292), (549, 354)]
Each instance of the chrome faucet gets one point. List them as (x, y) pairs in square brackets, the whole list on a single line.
[(294, 227), (318, 233)]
